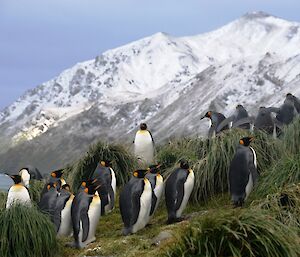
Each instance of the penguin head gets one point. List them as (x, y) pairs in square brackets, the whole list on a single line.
[(154, 169), (245, 141), (66, 187), (207, 115), (139, 173), (184, 164), (143, 126), (51, 185), (87, 182), (239, 107), (57, 173), (16, 178)]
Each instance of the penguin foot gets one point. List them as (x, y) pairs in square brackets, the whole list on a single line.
[(174, 220), (126, 231), (238, 204), (71, 244)]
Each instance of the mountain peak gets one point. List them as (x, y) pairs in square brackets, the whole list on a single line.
[(256, 15)]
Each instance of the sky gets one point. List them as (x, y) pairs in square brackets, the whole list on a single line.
[(41, 38)]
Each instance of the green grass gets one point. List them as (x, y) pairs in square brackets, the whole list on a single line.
[(291, 137), (123, 163), (283, 205), (236, 233), (24, 231), (286, 171)]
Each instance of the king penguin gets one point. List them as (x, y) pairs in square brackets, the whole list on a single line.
[(28, 173), (135, 202), (242, 172), (48, 199), (85, 214), (106, 178), (144, 144), (179, 186), (17, 193), (157, 184), (295, 100), (62, 212), (215, 119)]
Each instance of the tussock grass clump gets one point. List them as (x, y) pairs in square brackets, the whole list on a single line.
[(24, 231), (237, 233), (35, 189), (210, 159), (122, 161), (291, 137), (285, 172), (284, 205)]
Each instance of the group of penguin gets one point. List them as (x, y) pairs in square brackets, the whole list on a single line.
[(269, 119), (139, 198)]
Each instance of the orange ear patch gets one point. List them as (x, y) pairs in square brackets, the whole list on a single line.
[(53, 174), (48, 187), (241, 142), (102, 163), (209, 114), (83, 184), (86, 190), (135, 174)]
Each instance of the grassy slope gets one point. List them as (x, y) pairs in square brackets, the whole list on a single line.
[(110, 242)]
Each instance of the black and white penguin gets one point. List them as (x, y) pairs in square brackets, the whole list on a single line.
[(144, 144), (178, 188), (28, 173), (232, 121), (105, 176), (264, 121), (17, 193), (62, 212), (48, 199), (215, 120), (242, 172), (135, 202), (157, 184), (85, 214)]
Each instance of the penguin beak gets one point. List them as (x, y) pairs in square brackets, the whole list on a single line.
[(251, 139), (202, 118)]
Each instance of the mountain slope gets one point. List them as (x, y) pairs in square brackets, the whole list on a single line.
[(166, 81)]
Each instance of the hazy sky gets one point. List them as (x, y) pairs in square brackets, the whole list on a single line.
[(40, 38)]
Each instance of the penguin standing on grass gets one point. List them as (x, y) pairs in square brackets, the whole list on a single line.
[(62, 212), (135, 202), (85, 214), (106, 178), (144, 144), (178, 188), (242, 172), (17, 193), (157, 184)]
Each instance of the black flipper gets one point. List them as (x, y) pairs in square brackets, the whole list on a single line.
[(153, 203), (60, 205), (180, 193), (136, 206), (85, 224)]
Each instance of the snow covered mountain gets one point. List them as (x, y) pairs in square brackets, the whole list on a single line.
[(166, 81)]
